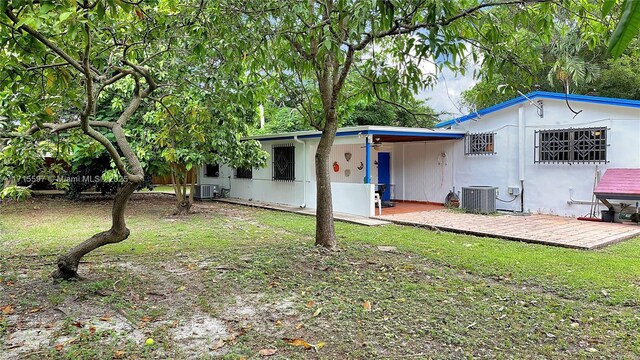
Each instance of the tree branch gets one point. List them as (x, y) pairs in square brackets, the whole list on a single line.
[(53, 47), (399, 28)]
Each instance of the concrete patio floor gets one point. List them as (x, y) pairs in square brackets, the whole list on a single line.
[(354, 219), (540, 229)]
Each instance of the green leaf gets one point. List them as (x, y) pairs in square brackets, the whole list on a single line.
[(64, 16), (3, 5), (627, 28), (607, 6), (327, 43), (46, 7)]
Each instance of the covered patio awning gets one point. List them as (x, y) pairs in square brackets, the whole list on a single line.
[(619, 184), (373, 135), (380, 133)]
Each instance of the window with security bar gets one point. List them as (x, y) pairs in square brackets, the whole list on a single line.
[(244, 173), (479, 144), (284, 162), (571, 146)]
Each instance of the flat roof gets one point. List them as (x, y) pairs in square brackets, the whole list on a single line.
[(390, 133)]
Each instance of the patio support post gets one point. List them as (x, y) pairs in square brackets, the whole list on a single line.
[(367, 176)]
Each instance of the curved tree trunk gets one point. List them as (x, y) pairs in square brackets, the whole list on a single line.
[(325, 230), (68, 263)]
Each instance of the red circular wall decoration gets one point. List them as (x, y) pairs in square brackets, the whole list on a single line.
[(336, 167)]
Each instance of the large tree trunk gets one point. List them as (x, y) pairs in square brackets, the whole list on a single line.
[(183, 207), (68, 263), (325, 230), (184, 202)]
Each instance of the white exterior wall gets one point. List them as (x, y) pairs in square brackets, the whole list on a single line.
[(262, 187), (423, 171), (350, 194), (547, 187)]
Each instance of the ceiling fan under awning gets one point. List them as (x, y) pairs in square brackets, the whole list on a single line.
[(376, 145)]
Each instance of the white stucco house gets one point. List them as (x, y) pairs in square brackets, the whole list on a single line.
[(540, 150)]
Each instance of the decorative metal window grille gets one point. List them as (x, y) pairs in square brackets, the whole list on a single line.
[(244, 173), (212, 170), (284, 160), (479, 144), (571, 146)]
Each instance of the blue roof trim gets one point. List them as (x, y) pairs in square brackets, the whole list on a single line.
[(371, 132), (543, 95), (415, 133)]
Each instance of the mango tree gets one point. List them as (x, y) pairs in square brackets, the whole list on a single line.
[(197, 128), (315, 48), (59, 57)]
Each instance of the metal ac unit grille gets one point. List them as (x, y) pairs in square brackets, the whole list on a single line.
[(479, 199), (205, 191)]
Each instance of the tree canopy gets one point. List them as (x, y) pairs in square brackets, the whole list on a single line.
[(574, 59), (180, 80), (113, 73), (327, 54)]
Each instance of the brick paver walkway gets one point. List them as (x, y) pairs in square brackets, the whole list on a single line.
[(542, 229)]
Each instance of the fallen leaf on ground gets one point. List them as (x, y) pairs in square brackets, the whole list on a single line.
[(8, 310), (92, 329), (78, 324), (299, 326), (367, 305), (317, 312), (35, 310), (311, 303), (59, 347), (297, 342), (267, 352), (218, 345), (105, 318), (118, 354), (278, 323), (306, 345)]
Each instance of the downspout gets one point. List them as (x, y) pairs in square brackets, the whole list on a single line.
[(521, 153), (304, 176)]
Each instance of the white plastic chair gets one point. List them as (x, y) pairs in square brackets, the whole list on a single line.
[(377, 201)]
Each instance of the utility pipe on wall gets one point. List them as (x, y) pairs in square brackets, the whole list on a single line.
[(521, 153), (367, 175), (304, 171)]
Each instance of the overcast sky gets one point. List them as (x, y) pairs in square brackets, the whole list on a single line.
[(445, 95)]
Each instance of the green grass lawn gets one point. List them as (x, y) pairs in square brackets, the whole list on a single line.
[(230, 281)]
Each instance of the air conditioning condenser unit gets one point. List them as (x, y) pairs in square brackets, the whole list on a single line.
[(206, 192), (479, 199)]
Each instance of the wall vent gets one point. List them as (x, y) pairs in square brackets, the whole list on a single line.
[(479, 199)]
